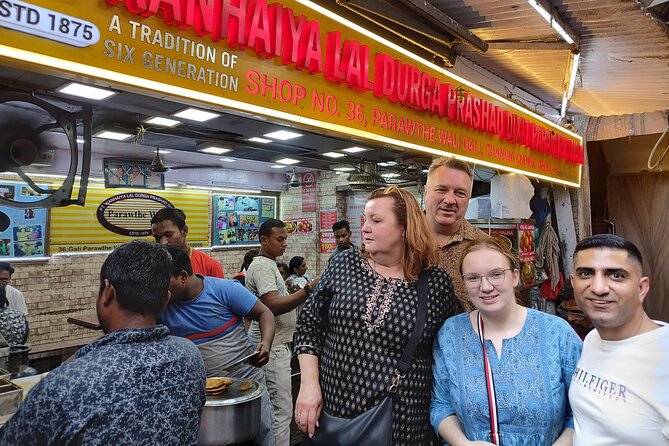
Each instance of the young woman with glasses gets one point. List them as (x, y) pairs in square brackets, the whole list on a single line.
[(531, 357)]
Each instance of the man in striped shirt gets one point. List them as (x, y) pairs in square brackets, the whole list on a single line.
[(210, 312)]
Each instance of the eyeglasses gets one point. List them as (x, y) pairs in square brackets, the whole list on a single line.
[(495, 278)]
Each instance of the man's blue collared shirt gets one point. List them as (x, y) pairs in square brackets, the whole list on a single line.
[(130, 387)]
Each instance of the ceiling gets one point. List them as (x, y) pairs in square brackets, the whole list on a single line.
[(624, 47)]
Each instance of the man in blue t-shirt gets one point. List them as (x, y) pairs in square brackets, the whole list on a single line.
[(210, 312)]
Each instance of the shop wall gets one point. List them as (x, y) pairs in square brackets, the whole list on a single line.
[(308, 246), (67, 285)]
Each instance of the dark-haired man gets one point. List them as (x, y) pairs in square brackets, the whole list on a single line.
[(447, 193), (169, 227), (619, 392), (342, 234), (210, 312), (264, 280), (14, 296), (136, 385)]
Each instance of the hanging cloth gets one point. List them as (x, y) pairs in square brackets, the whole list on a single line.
[(548, 252)]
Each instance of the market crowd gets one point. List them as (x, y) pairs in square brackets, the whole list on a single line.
[(418, 328)]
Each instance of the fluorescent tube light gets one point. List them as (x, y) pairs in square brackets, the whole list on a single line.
[(195, 114), (112, 132), (283, 135), (287, 161), (213, 149), (334, 154), (259, 140), (572, 77), (354, 149), (85, 91), (165, 122)]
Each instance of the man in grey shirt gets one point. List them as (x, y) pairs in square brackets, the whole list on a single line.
[(264, 280)]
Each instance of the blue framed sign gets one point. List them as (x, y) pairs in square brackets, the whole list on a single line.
[(22, 231), (238, 217)]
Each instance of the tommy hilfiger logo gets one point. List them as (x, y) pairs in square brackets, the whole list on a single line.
[(599, 385)]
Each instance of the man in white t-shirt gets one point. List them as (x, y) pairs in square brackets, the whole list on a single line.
[(14, 296), (264, 280), (619, 392)]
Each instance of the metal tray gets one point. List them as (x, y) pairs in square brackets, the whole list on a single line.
[(233, 395)]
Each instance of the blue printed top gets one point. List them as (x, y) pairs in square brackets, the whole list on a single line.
[(131, 387), (531, 379)]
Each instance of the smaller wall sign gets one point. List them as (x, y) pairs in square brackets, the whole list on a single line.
[(328, 242), (300, 226), (327, 217), (309, 192)]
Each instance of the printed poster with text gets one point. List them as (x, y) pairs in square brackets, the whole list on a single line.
[(238, 217), (22, 231)]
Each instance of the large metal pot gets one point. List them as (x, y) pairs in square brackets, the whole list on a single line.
[(233, 417)]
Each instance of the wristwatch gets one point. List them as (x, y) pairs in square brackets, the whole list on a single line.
[(307, 289)]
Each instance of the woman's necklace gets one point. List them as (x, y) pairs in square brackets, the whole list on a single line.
[(372, 323)]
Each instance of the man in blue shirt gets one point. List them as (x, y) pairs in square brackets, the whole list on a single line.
[(210, 312), (136, 385)]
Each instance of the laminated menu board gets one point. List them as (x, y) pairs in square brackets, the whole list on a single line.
[(22, 231), (238, 217)]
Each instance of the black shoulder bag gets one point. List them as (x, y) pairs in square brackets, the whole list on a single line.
[(374, 426)]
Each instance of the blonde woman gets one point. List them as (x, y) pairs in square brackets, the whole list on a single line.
[(353, 330)]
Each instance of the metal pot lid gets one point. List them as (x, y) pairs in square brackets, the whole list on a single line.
[(233, 395)]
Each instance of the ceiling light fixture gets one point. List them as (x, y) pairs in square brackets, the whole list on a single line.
[(162, 151), (227, 160), (354, 149), (259, 140), (574, 59), (195, 114), (112, 132), (212, 148), (343, 169), (386, 163), (85, 91), (390, 175), (277, 166), (334, 154), (553, 19), (164, 122), (287, 161), (283, 135)]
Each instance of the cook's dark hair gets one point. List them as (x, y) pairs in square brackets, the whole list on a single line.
[(180, 261), (609, 241), (176, 216), (295, 263), (341, 224), (4, 266), (269, 224), (140, 273)]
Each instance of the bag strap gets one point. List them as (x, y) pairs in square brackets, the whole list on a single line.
[(421, 316), (495, 435)]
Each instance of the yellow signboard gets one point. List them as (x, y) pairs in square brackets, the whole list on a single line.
[(294, 61), (114, 216)]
